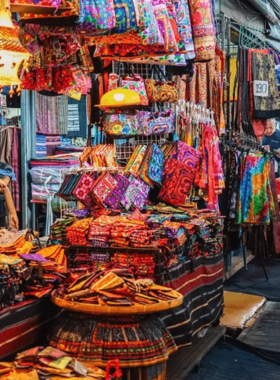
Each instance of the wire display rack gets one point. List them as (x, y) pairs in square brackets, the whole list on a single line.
[(125, 148)]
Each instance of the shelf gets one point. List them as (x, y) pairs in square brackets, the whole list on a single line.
[(113, 249), (116, 310)]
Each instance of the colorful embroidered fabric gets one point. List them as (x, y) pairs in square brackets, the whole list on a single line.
[(121, 124), (177, 183), (114, 198), (156, 165), (164, 25), (147, 341), (136, 194), (127, 16), (138, 160), (204, 32), (99, 13), (103, 186), (183, 153), (156, 123), (83, 190), (135, 83), (145, 165), (184, 26)]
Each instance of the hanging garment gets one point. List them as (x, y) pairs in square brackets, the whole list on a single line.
[(255, 203), (15, 163), (266, 95), (6, 138)]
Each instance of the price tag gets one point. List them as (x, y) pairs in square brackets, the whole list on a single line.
[(261, 88)]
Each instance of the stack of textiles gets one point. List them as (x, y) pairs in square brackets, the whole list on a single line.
[(41, 193), (46, 173), (58, 230), (41, 146), (47, 267), (11, 241), (139, 264), (81, 262), (77, 233), (100, 230), (12, 272), (109, 289), (65, 161), (176, 232), (48, 363)]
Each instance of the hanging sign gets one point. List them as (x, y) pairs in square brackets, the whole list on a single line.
[(261, 88)]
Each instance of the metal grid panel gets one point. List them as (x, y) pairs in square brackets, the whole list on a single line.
[(139, 68), (125, 148)]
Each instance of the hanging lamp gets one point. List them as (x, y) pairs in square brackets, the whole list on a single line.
[(12, 53)]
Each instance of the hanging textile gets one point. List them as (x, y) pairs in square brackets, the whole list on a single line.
[(6, 138), (52, 114), (255, 204), (266, 104), (204, 31), (15, 163)]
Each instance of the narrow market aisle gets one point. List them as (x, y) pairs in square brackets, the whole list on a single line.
[(228, 362), (254, 353)]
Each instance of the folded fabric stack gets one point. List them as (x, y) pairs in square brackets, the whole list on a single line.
[(58, 230), (43, 192), (47, 363), (87, 262), (47, 266), (41, 146), (12, 271), (11, 241), (99, 235), (140, 265), (107, 288), (46, 174), (77, 233), (175, 231)]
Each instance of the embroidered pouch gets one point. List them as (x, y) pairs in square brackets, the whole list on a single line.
[(135, 83), (105, 185), (156, 165), (177, 183), (161, 91), (120, 124), (153, 123), (114, 198), (182, 153), (145, 165)]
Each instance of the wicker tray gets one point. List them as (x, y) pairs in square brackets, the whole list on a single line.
[(115, 310)]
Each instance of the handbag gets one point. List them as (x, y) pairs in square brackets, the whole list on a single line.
[(120, 124), (161, 91), (134, 82), (154, 123)]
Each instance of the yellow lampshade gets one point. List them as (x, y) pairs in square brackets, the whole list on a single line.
[(12, 53), (120, 97)]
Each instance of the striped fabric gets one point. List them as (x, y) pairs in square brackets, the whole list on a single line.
[(201, 282), (25, 325), (52, 114), (41, 146)]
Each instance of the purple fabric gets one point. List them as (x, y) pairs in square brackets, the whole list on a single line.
[(34, 257)]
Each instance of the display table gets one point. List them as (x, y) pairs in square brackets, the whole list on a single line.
[(131, 334), (25, 325)]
